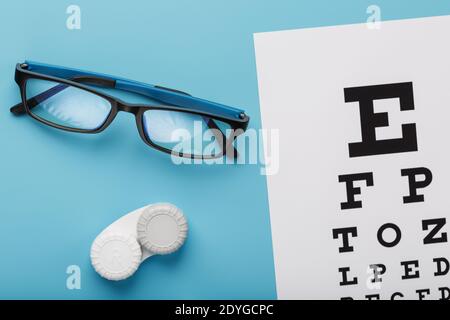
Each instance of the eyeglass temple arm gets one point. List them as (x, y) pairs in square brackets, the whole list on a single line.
[(32, 102), (19, 108), (165, 95)]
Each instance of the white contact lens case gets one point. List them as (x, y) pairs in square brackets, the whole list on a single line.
[(119, 249)]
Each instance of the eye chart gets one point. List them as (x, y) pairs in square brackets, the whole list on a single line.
[(360, 206)]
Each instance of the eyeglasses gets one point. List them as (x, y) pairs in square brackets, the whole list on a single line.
[(182, 125)]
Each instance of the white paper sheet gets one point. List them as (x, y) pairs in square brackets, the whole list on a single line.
[(302, 75)]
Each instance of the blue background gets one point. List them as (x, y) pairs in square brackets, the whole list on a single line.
[(58, 190)]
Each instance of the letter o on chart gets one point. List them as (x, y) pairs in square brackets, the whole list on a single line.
[(382, 235)]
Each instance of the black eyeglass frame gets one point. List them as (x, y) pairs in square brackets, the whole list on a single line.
[(117, 105)]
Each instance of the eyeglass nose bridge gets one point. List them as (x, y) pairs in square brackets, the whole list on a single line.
[(128, 108)]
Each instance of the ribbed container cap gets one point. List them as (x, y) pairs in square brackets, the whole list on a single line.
[(162, 228), (115, 256)]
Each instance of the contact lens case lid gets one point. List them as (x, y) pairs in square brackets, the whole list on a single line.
[(115, 256), (162, 228)]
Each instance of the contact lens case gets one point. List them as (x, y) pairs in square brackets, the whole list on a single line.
[(157, 229)]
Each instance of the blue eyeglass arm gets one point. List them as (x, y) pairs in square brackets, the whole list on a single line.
[(165, 95)]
